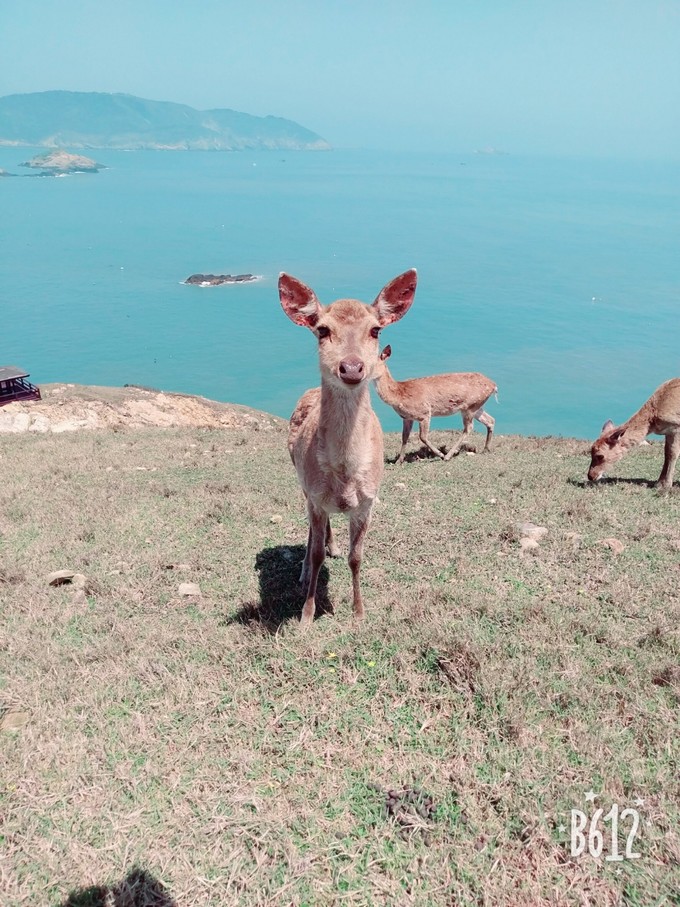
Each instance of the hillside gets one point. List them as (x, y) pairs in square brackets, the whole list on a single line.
[(97, 120), (69, 407), (172, 745)]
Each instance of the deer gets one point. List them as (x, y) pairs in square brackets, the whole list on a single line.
[(660, 415), (335, 439), (418, 399)]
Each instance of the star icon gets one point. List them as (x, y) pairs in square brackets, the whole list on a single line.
[(639, 801), (562, 829), (590, 796)]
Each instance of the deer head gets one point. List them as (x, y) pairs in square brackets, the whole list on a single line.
[(347, 330)]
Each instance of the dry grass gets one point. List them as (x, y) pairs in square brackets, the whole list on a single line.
[(203, 751)]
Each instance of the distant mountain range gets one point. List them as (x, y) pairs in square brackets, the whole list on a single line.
[(76, 119)]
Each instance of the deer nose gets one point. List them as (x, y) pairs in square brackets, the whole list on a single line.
[(352, 370)]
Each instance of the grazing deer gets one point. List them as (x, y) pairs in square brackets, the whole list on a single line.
[(660, 415), (418, 399), (335, 438)]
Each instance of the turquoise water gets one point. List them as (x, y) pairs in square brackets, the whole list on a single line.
[(558, 279)]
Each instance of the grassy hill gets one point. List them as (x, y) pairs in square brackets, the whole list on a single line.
[(170, 749)]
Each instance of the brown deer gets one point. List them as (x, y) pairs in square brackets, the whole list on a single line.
[(335, 438), (418, 399), (660, 415)]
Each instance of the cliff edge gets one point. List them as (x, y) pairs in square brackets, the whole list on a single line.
[(69, 407)]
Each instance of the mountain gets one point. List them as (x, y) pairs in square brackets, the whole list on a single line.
[(76, 119)]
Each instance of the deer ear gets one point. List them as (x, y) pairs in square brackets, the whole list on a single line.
[(299, 302), (608, 425), (386, 353), (616, 436), (394, 300)]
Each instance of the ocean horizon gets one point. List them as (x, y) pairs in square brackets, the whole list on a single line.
[(559, 279)]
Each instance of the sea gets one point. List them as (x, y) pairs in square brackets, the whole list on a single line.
[(558, 278)]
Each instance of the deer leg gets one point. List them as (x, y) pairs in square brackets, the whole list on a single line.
[(672, 452), (314, 558), (358, 527), (489, 422), (304, 574), (405, 435), (467, 428), (424, 437), (331, 545)]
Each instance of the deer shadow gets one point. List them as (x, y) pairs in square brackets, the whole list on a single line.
[(138, 889), (281, 595), (424, 453), (611, 480)]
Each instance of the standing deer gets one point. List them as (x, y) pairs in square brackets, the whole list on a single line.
[(335, 438), (418, 399), (660, 415)]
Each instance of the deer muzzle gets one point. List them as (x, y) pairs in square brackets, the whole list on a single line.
[(352, 370)]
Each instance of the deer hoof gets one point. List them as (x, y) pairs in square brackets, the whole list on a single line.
[(306, 618)]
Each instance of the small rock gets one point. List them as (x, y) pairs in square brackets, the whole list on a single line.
[(189, 589), (79, 580), (277, 518), (109, 468), (12, 721), (61, 577), (614, 544), (531, 530), (527, 545), (400, 485)]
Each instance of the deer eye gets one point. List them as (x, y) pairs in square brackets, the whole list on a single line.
[(375, 333), (322, 332)]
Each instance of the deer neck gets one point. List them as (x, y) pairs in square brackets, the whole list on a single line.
[(344, 422), (637, 427), (387, 388)]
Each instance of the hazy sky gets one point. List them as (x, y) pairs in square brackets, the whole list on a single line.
[(556, 76)]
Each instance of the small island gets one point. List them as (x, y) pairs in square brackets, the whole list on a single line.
[(56, 162), (217, 280)]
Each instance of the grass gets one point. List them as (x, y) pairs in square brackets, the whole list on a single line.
[(168, 750)]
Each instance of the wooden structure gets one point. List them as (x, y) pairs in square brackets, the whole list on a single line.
[(14, 386)]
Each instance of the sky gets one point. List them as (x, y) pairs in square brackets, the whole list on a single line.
[(563, 77)]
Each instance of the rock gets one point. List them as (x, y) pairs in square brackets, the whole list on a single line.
[(61, 577), (614, 544), (13, 721), (530, 531), (277, 518), (14, 422), (217, 280), (188, 589), (39, 423), (62, 162)]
